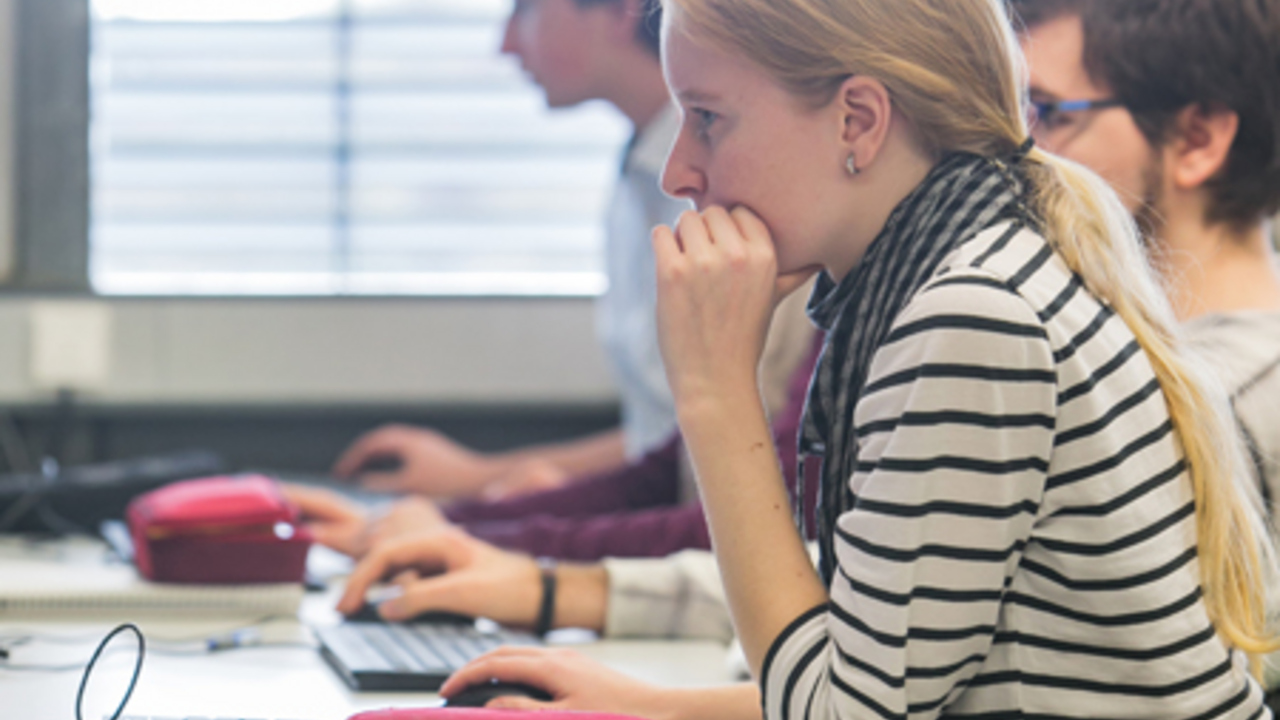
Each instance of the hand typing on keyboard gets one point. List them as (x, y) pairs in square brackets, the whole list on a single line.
[(450, 571)]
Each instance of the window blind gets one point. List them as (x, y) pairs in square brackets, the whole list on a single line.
[(330, 147)]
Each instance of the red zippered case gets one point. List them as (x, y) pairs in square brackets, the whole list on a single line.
[(224, 530)]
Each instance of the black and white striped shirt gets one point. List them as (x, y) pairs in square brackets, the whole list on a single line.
[(1023, 539)]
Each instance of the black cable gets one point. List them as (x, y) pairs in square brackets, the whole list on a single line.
[(133, 682)]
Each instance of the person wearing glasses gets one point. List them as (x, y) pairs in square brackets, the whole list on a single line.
[(1177, 104), (1028, 496)]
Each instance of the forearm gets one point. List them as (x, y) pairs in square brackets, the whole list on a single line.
[(740, 701), (652, 480), (578, 457), (768, 577), (582, 594)]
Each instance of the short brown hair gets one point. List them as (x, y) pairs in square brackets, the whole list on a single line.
[(1162, 56), (649, 27)]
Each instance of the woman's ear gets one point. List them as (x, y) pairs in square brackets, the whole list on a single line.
[(865, 111)]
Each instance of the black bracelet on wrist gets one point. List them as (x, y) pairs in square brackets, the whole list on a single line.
[(547, 610)]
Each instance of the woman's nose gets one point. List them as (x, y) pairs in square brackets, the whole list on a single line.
[(682, 178)]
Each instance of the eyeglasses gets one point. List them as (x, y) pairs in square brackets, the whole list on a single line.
[(1050, 120)]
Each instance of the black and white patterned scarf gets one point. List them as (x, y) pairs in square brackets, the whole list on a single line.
[(962, 196)]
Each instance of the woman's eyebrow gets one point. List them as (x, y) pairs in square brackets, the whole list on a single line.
[(696, 96)]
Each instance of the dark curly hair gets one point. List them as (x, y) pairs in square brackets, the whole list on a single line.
[(1162, 56)]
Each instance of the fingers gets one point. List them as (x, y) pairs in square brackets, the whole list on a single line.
[(379, 481), (426, 552), (526, 665), (717, 231), (666, 249), (349, 542), (691, 232), (320, 504), (503, 587), (515, 702), (406, 518), (750, 225), (456, 593), (383, 441), (724, 231), (697, 238)]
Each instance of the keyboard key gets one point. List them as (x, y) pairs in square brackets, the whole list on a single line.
[(414, 656)]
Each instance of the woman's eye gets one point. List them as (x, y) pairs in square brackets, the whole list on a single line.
[(703, 119)]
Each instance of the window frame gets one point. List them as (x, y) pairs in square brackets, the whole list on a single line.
[(50, 145)]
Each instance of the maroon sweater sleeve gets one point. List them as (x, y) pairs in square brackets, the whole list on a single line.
[(630, 512), (642, 533)]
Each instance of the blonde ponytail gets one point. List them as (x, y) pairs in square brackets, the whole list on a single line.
[(954, 71), (1095, 235)]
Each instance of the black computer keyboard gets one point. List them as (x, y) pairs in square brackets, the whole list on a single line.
[(409, 656)]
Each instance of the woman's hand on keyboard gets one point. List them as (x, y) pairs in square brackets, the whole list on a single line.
[(407, 517), (342, 525), (448, 570)]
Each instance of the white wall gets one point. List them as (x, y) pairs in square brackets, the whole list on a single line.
[(322, 351)]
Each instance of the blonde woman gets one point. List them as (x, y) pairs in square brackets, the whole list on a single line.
[(1028, 506)]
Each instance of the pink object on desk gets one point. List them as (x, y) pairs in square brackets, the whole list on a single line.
[(221, 530)]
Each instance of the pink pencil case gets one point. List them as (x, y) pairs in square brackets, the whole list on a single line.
[(482, 714), (228, 529)]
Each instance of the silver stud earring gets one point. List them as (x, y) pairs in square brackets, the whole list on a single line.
[(851, 165)]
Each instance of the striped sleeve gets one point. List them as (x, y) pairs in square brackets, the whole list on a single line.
[(955, 431)]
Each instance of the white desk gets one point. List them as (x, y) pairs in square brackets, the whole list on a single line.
[(272, 683)]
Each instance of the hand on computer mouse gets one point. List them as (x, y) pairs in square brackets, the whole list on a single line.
[(480, 694), (429, 463), (571, 680)]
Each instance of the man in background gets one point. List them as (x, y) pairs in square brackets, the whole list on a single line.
[(576, 51), (1176, 103)]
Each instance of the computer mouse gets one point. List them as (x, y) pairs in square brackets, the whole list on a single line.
[(369, 613), (479, 695)]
